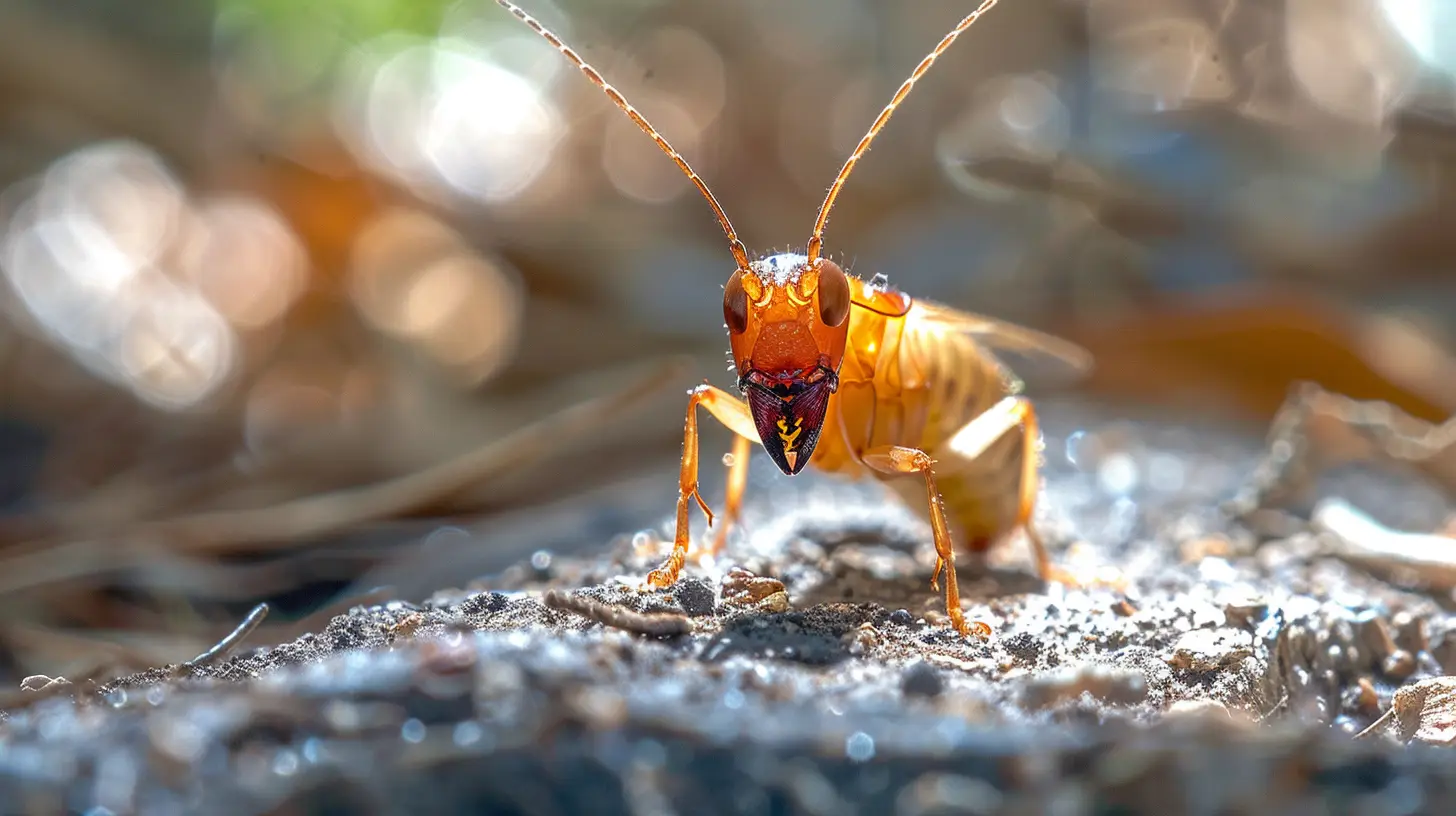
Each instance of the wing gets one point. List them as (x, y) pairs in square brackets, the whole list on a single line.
[(1029, 353)]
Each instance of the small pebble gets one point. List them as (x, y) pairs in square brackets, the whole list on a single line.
[(1373, 634), (1369, 700), (921, 680), (1245, 613), (695, 596), (483, 603), (1399, 665), (742, 587), (1411, 633), (1203, 650), (1023, 647), (862, 640), (902, 617)]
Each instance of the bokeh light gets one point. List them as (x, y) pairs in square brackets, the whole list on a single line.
[(415, 278), (244, 259), (113, 261), (442, 115)]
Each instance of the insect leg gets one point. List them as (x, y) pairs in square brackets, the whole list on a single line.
[(894, 459), (737, 481), (733, 413), (980, 433), (1317, 429)]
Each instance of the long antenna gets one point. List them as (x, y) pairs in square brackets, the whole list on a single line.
[(816, 242), (740, 254)]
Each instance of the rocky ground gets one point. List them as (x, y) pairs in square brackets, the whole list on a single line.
[(1228, 675)]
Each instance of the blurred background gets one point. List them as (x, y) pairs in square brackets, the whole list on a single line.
[(291, 294)]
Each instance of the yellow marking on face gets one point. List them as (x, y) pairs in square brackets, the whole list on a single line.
[(790, 439)]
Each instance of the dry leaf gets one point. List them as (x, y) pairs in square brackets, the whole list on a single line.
[(1424, 711)]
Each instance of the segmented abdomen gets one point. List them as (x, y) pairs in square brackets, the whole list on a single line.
[(905, 382)]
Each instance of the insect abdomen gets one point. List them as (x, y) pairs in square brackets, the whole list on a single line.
[(905, 382), (982, 495)]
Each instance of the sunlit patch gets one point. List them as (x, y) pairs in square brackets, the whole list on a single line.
[(112, 262), (416, 279), (1425, 26), (1346, 66), (442, 115)]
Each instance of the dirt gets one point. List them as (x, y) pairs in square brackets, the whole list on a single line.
[(1228, 674)]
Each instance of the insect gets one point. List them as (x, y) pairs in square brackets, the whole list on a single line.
[(856, 378)]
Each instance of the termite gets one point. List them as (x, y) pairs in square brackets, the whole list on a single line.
[(855, 378)]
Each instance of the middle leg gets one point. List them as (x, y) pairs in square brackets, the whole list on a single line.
[(893, 459), (733, 499)]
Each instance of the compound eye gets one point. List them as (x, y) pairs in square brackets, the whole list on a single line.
[(833, 294), (735, 304)]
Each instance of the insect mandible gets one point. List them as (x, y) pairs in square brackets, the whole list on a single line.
[(854, 377)]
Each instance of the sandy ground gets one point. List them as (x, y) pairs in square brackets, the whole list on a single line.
[(1229, 676)]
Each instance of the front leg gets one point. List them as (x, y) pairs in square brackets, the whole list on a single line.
[(893, 459), (733, 413)]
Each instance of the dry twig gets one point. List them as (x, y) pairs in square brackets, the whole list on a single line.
[(651, 624), (233, 639)]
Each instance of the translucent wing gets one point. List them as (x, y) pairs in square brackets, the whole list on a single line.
[(1030, 354)]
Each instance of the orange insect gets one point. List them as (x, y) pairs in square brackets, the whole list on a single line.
[(854, 378)]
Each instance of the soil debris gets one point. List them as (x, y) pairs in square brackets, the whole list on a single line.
[(571, 689), (652, 625), (1424, 712)]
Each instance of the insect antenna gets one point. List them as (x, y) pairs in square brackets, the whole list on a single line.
[(816, 242), (740, 254)]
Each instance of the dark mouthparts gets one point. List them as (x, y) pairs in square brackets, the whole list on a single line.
[(788, 412), (789, 385)]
